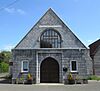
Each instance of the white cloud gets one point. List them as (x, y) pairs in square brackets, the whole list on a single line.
[(14, 11), (90, 41), (8, 47), (10, 10), (21, 11)]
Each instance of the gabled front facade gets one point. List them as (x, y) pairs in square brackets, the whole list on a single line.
[(48, 48)]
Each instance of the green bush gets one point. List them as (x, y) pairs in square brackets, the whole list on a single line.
[(4, 67), (93, 77), (8, 77)]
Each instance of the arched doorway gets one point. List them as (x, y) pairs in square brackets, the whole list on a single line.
[(49, 71)]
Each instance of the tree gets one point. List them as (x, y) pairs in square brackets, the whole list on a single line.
[(5, 56), (5, 67), (1, 60), (1, 57)]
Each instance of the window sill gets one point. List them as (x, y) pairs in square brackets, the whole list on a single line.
[(74, 72), (24, 71)]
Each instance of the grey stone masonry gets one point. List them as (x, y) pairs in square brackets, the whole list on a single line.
[(63, 56), (97, 62)]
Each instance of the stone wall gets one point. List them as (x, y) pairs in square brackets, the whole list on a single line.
[(19, 56), (97, 62), (62, 56)]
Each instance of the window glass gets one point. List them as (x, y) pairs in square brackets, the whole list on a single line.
[(25, 66), (50, 39), (73, 66)]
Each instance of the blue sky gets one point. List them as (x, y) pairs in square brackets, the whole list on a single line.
[(82, 17)]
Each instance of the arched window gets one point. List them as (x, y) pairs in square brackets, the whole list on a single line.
[(50, 39)]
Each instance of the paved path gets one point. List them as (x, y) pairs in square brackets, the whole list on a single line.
[(3, 74), (92, 86)]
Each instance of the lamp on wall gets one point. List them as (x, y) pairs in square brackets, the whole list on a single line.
[(65, 69)]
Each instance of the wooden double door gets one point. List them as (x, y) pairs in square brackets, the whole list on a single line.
[(49, 71)]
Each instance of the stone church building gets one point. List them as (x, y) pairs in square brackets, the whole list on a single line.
[(49, 51)]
